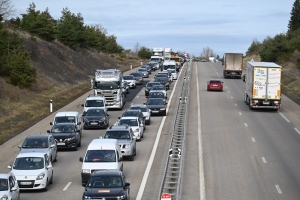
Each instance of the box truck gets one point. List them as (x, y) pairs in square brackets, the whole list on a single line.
[(233, 65), (263, 85)]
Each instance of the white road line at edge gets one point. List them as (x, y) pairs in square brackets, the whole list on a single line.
[(150, 162), (297, 131), (200, 151), (253, 139), (264, 160), (67, 186), (284, 117)]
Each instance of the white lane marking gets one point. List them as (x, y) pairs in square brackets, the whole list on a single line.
[(137, 96), (284, 117), (150, 161), (228, 91), (225, 86), (246, 124), (235, 104), (297, 131), (263, 159), (67, 186), (278, 189), (253, 140), (200, 151), (232, 97), (240, 113)]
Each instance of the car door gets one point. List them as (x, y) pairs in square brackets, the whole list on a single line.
[(133, 139), (48, 167)]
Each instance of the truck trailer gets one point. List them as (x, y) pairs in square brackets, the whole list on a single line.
[(233, 65), (263, 85)]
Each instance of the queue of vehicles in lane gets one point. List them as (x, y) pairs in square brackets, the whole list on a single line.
[(66, 132)]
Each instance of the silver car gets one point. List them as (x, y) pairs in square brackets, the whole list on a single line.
[(144, 71), (9, 188), (138, 77), (144, 109), (43, 143), (125, 137)]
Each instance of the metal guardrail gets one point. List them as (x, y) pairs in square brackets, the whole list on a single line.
[(172, 174)]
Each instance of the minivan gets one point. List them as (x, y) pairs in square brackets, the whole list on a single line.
[(101, 154)]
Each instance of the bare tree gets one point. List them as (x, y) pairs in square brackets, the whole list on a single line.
[(100, 28), (6, 8), (207, 52), (136, 47)]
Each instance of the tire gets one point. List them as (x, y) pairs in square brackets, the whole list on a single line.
[(75, 148), (55, 160), (51, 181), (131, 158), (251, 108), (79, 144), (134, 151)]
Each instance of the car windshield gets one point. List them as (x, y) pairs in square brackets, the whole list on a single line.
[(107, 85), (143, 109), (156, 95), (100, 156), (172, 70), (95, 112), (151, 84), (117, 135), (105, 182), (161, 79), (130, 113), (129, 122), (61, 128), (142, 69), (128, 77), (3, 184), (35, 143), (64, 119), (158, 88), (155, 102), (94, 103), (29, 163), (136, 74)]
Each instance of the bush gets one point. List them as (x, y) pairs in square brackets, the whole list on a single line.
[(298, 63)]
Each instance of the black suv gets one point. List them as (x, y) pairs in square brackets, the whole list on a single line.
[(95, 118), (149, 86), (135, 113), (107, 184), (66, 135), (125, 137)]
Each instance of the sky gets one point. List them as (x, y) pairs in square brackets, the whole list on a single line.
[(185, 26)]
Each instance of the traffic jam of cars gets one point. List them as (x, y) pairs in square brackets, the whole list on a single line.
[(102, 163)]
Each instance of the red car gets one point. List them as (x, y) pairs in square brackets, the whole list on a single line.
[(215, 84)]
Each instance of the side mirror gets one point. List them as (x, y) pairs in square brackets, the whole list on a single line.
[(9, 166), (127, 184), (83, 184), (121, 159), (49, 166), (134, 137), (81, 159), (19, 146), (107, 115), (244, 78), (82, 105), (52, 145), (48, 131), (84, 113), (119, 117), (51, 123), (13, 189), (144, 117), (144, 103), (142, 125)]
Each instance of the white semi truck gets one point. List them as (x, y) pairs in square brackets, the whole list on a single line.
[(233, 65), (263, 85), (109, 84), (167, 54)]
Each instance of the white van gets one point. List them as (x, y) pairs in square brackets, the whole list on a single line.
[(68, 117), (101, 154)]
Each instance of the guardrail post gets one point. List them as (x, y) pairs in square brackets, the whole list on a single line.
[(51, 108)]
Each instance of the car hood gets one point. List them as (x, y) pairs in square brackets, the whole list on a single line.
[(124, 141), (58, 136), (130, 81), (27, 174), (26, 150), (146, 114), (91, 118), (156, 106), (104, 192)]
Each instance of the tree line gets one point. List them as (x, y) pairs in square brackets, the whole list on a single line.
[(282, 46)]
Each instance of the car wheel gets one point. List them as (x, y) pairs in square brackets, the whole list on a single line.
[(165, 114), (51, 181), (84, 128), (79, 144), (55, 160), (131, 158), (134, 151), (75, 148), (149, 122)]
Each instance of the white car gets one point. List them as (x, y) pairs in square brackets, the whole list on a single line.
[(130, 80), (9, 189), (136, 125), (174, 73), (32, 170), (145, 111)]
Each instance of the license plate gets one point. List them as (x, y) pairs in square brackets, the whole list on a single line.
[(25, 183), (215, 85), (61, 143), (155, 111), (233, 72), (266, 102), (94, 123)]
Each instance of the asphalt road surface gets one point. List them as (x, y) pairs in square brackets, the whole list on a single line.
[(230, 151)]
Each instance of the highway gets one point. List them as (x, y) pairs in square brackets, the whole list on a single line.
[(230, 151)]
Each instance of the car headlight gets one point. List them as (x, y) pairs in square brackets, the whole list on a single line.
[(127, 145), (136, 130), (40, 176), (102, 120), (86, 120), (163, 109), (88, 171), (87, 197), (72, 138), (121, 197), (5, 197)]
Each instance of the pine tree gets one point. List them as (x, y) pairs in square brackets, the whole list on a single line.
[(294, 22)]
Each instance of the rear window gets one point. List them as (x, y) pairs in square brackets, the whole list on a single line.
[(215, 82)]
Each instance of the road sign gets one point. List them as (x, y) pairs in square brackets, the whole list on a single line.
[(165, 196)]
